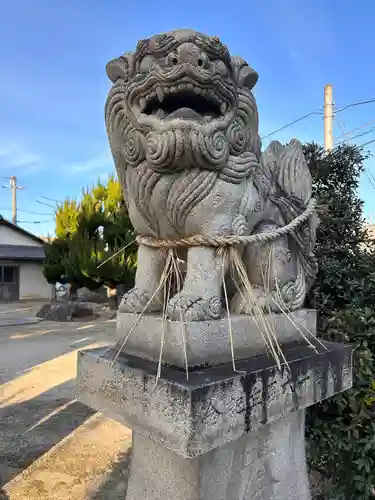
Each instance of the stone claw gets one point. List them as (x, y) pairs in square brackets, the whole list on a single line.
[(258, 301), (137, 301), (192, 308), (244, 303)]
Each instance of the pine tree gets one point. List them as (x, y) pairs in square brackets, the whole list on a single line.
[(91, 235)]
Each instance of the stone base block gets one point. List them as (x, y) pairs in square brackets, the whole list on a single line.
[(216, 405), (266, 465), (208, 340)]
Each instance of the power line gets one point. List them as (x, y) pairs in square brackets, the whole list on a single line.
[(25, 211), (370, 174), (35, 221), (343, 145), (342, 128), (369, 178), (356, 136), (372, 129), (366, 143), (355, 129), (353, 104), (292, 123), (51, 199), (318, 112), (45, 204)]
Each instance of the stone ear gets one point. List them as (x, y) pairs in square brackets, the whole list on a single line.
[(245, 75), (119, 68)]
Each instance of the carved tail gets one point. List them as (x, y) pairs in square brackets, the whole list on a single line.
[(291, 192)]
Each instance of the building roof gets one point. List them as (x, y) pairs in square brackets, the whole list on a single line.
[(21, 252), (47, 239), (371, 230), (6, 223)]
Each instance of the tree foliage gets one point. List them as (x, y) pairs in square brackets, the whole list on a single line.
[(341, 430), (90, 236)]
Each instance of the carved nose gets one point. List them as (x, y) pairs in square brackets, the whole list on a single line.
[(188, 53)]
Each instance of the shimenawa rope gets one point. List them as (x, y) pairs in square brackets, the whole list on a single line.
[(198, 240)]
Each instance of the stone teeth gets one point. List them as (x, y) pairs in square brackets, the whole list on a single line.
[(160, 93), (142, 103), (211, 95), (223, 108), (173, 88), (190, 87), (160, 113)]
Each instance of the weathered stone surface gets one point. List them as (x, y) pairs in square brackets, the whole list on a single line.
[(216, 405), (265, 465), (65, 311), (207, 342), (182, 124)]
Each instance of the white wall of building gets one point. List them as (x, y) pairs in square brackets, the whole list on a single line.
[(33, 284), (9, 236)]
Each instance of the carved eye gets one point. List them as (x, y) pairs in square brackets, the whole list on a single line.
[(203, 60), (146, 64), (172, 59)]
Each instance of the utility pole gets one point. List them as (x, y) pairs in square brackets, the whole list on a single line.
[(328, 118), (13, 186)]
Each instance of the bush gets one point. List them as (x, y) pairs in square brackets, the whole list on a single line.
[(341, 430)]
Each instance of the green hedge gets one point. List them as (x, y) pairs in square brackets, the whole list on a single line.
[(341, 430)]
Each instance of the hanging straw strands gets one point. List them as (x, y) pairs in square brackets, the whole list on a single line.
[(162, 282), (252, 304), (179, 286), (115, 254), (230, 332), (167, 292)]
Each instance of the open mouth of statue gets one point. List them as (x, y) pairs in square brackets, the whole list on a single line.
[(185, 103)]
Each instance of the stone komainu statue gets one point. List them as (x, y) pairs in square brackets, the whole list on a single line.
[(182, 124)]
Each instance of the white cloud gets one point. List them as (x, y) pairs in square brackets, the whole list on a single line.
[(103, 161), (15, 154)]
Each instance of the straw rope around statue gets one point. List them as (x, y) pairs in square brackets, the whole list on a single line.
[(199, 240)]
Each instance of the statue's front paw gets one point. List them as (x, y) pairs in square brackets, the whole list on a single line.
[(138, 301), (261, 301), (192, 308), (250, 304)]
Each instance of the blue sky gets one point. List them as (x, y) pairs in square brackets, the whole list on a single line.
[(53, 83)]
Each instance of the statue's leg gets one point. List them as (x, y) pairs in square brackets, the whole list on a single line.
[(271, 269), (150, 267), (200, 297)]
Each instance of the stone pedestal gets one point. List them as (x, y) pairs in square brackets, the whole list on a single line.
[(267, 464), (220, 435)]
